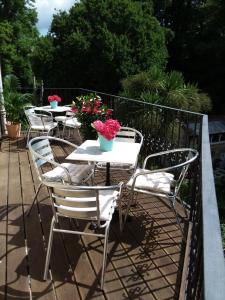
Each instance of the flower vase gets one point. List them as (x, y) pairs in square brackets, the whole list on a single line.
[(53, 104), (105, 145)]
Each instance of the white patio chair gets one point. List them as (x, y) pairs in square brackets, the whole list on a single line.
[(41, 123), (70, 122), (94, 204), (42, 155), (164, 179), (126, 134)]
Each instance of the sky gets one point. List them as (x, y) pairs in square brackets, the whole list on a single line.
[(46, 9)]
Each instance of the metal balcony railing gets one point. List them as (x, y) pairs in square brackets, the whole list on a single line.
[(166, 128)]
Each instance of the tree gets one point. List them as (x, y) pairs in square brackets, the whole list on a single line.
[(98, 43), (198, 47), (156, 86), (17, 34)]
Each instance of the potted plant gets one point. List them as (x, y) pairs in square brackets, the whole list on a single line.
[(54, 100), (106, 132), (14, 102), (87, 109)]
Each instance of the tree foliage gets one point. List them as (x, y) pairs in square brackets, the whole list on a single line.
[(97, 43), (198, 47), (17, 34), (156, 86)]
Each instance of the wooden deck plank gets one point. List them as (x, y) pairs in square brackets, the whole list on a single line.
[(4, 159), (36, 252), (113, 287), (64, 283), (161, 259), (17, 275), (143, 263), (82, 269)]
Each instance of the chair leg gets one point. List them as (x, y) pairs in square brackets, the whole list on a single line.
[(63, 131), (120, 216), (49, 249), (128, 208), (79, 136), (104, 256), (28, 136), (34, 199), (175, 213)]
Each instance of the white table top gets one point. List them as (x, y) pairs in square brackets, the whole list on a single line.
[(57, 109), (122, 152)]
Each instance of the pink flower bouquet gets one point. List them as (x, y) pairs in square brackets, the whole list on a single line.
[(108, 129), (54, 98)]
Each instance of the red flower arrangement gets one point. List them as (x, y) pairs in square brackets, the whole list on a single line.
[(108, 129), (87, 109), (54, 98), (90, 105)]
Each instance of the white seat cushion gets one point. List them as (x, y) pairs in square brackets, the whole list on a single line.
[(46, 127), (156, 182), (60, 118), (72, 123), (77, 173), (106, 201)]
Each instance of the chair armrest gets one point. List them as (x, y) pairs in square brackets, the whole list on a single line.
[(172, 151), (54, 163)]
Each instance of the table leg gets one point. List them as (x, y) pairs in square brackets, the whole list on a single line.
[(107, 180)]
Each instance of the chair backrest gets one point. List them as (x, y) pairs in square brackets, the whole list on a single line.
[(41, 153), (41, 119), (176, 161), (80, 202), (130, 135)]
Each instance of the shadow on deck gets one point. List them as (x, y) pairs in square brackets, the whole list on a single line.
[(144, 262)]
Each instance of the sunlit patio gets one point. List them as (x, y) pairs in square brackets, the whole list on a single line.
[(144, 262)]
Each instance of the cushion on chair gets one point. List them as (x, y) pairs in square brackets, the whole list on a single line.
[(156, 182), (72, 123), (60, 118), (46, 127), (77, 173)]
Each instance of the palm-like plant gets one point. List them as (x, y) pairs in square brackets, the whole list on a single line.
[(14, 100), (168, 89)]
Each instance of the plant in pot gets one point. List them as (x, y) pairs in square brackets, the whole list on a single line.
[(14, 102), (87, 109)]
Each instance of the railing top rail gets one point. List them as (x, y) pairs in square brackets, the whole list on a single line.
[(214, 264), (130, 99)]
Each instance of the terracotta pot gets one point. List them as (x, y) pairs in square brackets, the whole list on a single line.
[(13, 130)]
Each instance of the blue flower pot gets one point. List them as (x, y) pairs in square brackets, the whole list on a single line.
[(105, 145), (53, 104)]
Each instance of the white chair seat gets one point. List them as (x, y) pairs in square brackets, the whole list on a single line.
[(72, 123), (106, 202), (157, 182), (60, 118), (77, 173), (46, 127)]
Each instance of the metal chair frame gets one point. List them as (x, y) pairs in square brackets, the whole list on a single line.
[(82, 203), (69, 121), (191, 156), (41, 153), (42, 123)]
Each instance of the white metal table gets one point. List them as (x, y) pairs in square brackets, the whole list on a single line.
[(122, 153)]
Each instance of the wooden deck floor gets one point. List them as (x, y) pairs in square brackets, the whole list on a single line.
[(144, 262)]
